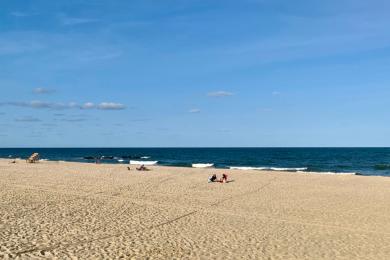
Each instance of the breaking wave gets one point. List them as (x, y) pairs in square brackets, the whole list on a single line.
[(144, 162), (268, 169), (332, 173), (202, 165)]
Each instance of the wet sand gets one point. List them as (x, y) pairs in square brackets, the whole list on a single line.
[(60, 210)]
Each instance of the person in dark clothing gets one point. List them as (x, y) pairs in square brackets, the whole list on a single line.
[(213, 178)]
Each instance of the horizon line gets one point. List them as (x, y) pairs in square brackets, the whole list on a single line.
[(192, 147)]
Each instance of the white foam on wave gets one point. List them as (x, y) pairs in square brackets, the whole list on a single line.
[(298, 170), (143, 162), (247, 168), (288, 169), (268, 168), (331, 173), (121, 160), (145, 157), (202, 165)]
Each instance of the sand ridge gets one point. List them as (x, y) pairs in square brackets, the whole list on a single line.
[(75, 210)]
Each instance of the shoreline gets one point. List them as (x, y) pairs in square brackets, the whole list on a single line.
[(266, 169), (366, 162)]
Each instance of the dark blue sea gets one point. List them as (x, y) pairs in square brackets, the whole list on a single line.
[(362, 161)]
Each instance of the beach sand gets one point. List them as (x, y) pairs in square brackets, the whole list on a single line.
[(73, 210)]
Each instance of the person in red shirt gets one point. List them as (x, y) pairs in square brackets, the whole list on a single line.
[(224, 178)]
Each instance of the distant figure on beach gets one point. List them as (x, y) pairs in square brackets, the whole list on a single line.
[(213, 178), (142, 168), (33, 158), (128, 168), (224, 178)]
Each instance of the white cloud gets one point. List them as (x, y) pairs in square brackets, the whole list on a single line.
[(43, 91), (111, 106), (37, 104), (71, 105), (220, 93), (194, 110), (33, 104), (73, 119), (21, 14), (88, 105), (29, 119)]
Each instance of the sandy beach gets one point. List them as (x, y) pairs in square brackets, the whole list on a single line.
[(60, 210)]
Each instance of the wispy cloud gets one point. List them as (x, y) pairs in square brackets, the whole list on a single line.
[(71, 105), (21, 14), (194, 110), (33, 104), (97, 56), (220, 93), (111, 106), (43, 91), (276, 93), (28, 119), (74, 120), (69, 21)]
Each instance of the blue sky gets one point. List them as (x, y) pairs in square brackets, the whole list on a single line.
[(194, 73)]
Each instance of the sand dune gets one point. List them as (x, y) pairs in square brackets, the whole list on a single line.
[(64, 210)]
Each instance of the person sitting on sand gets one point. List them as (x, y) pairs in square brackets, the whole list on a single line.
[(142, 168), (224, 178), (213, 178)]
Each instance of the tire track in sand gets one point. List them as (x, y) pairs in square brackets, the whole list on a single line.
[(170, 221)]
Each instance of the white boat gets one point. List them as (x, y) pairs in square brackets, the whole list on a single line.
[(202, 165), (143, 162)]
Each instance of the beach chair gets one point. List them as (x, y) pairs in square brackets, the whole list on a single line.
[(33, 158)]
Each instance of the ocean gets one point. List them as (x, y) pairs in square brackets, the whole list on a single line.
[(361, 161)]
